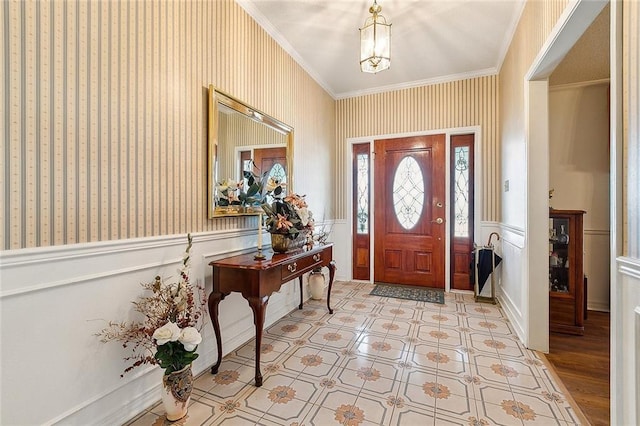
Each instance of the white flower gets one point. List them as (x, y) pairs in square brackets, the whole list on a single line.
[(304, 214), (180, 298), (170, 332), (190, 338), (272, 184)]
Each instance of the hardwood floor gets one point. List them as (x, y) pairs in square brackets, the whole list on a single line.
[(582, 363)]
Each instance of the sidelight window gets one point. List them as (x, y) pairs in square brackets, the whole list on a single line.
[(461, 191), (362, 196)]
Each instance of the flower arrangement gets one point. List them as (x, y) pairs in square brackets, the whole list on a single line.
[(232, 193), (288, 215), (168, 335)]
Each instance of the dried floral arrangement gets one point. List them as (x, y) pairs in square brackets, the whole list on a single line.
[(169, 334)]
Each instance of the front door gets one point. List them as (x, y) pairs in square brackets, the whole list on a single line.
[(409, 213), (273, 161)]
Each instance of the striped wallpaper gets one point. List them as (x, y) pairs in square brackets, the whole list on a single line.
[(105, 130), (470, 102)]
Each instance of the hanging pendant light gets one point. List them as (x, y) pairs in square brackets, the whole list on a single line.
[(375, 42)]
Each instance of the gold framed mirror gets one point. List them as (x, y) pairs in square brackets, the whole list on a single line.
[(241, 138)]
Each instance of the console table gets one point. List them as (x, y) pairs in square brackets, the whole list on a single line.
[(257, 280)]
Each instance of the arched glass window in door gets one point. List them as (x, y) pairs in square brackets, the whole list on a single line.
[(408, 192), (278, 174)]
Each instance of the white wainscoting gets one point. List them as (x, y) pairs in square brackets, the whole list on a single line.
[(625, 332), (53, 300), (341, 237), (511, 294), (597, 263)]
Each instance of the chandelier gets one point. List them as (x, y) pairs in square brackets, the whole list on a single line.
[(375, 41)]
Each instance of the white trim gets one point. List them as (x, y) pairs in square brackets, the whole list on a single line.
[(478, 193), (536, 290), (629, 266), (616, 376), (418, 83), (254, 12), (570, 86), (513, 314), (513, 235), (28, 256), (85, 278), (597, 232), (598, 306), (575, 19), (510, 33)]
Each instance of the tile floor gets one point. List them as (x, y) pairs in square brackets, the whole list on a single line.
[(381, 361)]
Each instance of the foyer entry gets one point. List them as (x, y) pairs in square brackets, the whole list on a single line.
[(409, 212)]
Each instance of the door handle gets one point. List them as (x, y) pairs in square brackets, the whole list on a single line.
[(439, 221)]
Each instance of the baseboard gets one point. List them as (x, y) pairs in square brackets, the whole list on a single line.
[(513, 315), (598, 306)]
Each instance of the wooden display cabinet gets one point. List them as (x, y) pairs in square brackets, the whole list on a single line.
[(566, 272)]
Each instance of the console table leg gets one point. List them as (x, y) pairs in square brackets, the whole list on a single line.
[(300, 305), (332, 274), (214, 301), (259, 308)]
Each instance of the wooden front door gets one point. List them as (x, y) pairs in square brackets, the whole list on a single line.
[(266, 158), (409, 213)]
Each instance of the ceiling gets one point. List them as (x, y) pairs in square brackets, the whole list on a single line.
[(431, 40)]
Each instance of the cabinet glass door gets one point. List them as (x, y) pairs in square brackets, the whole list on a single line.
[(559, 255)]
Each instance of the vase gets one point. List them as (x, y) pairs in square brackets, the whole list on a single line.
[(280, 243), (316, 285), (176, 392)]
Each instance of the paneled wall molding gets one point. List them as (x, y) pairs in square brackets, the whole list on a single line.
[(95, 253), (513, 312), (30, 256), (69, 299), (85, 278), (513, 235), (630, 267), (597, 232)]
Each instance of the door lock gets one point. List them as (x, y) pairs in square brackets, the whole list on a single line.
[(439, 221)]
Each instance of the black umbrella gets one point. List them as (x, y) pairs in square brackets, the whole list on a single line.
[(485, 265)]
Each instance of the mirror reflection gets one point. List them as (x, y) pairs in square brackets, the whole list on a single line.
[(247, 149)]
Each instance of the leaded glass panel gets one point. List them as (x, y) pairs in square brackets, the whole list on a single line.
[(408, 192), (277, 173), (461, 191), (362, 185)]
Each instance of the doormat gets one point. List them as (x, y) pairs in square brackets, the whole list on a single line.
[(419, 294)]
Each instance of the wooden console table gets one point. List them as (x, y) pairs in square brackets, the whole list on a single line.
[(257, 280)]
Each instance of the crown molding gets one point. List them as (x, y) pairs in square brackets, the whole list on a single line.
[(419, 83)]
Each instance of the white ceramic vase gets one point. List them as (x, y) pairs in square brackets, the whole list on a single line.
[(316, 285), (176, 392)]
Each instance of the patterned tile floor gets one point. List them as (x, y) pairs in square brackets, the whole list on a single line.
[(381, 361)]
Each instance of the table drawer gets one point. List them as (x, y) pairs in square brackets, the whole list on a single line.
[(299, 266)]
